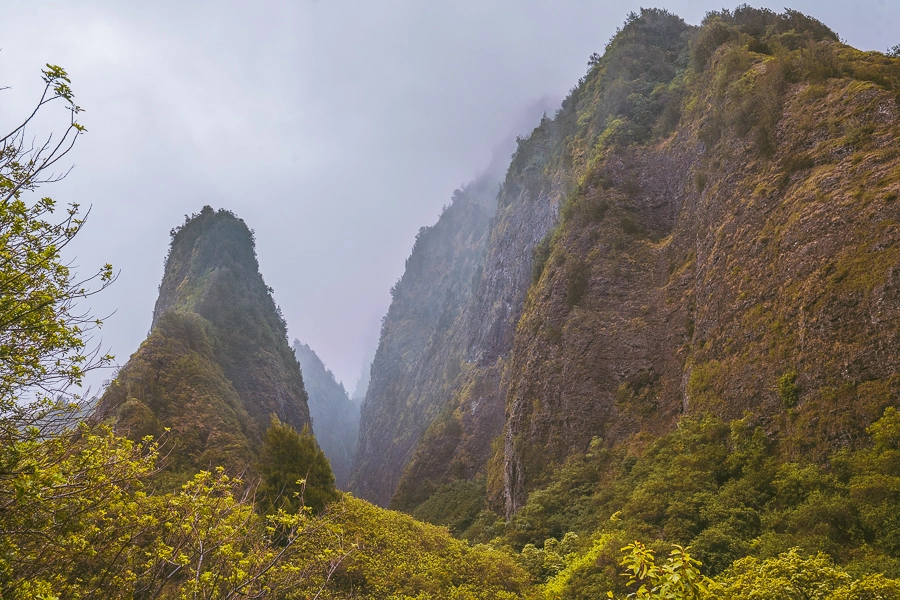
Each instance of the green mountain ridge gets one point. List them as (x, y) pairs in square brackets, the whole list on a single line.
[(216, 364), (706, 227), (674, 322)]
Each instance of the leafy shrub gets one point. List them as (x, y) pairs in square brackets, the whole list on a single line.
[(679, 577), (539, 255), (791, 575), (788, 390), (294, 471)]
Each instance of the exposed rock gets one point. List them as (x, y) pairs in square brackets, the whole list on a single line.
[(708, 224)]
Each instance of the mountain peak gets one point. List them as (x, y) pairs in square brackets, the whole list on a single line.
[(217, 364)]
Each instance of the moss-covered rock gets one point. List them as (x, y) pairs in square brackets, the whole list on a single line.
[(216, 364)]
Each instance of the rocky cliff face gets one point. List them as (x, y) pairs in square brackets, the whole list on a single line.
[(708, 224), (458, 445), (746, 263), (420, 362), (216, 364), (334, 415)]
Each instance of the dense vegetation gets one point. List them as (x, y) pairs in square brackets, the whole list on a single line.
[(293, 470), (216, 364), (87, 513), (719, 488)]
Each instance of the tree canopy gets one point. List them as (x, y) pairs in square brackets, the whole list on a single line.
[(294, 471)]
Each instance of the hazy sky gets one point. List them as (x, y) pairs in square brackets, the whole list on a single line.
[(334, 128)]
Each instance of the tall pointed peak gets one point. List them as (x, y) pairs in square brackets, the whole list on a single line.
[(217, 364)]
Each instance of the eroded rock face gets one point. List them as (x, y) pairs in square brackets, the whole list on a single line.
[(702, 227), (772, 291), (418, 363), (458, 444)]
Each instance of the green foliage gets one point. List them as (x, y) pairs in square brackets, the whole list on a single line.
[(61, 506), (791, 575), (589, 574), (78, 522), (626, 98), (174, 382), (736, 81), (41, 342), (586, 205), (41, 328), (788, 390), (713, 34), (212, 271), (294, 472), (750, 56), (77, 516), (723, 490), (679, 577), (546, 562), (216, 364), (398, 557), (764, 23)]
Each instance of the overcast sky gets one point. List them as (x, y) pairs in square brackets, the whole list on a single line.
[(334, 128)]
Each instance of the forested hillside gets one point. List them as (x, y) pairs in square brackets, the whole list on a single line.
[(335, 417), (702, 240), (217, 364), (185, 484)]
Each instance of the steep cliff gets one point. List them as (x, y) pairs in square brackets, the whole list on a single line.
[(744, 260), (419, 361), (334, 415), (216, 364), (707, 225), (446, 478)]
